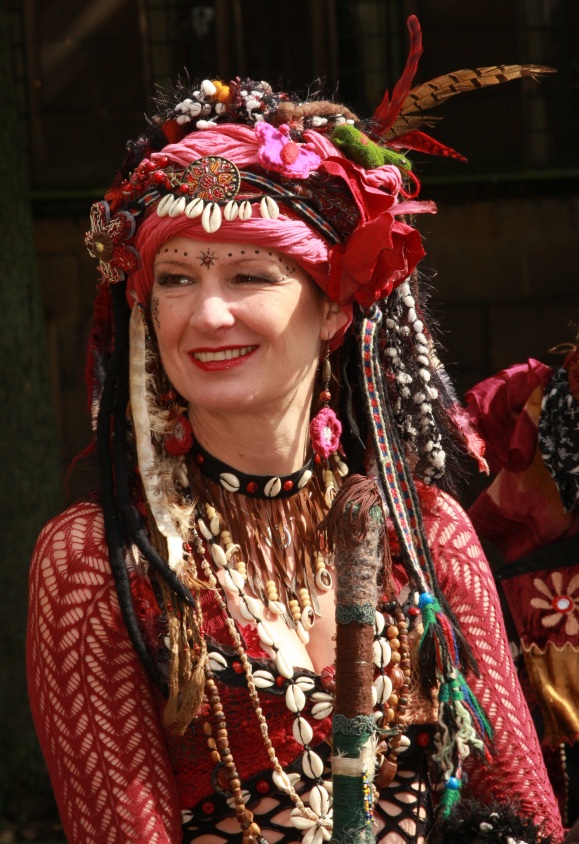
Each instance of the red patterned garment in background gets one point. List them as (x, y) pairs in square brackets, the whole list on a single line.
[(528, 416), (119, 778)]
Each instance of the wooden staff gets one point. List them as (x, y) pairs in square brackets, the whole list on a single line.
[(355, 528)]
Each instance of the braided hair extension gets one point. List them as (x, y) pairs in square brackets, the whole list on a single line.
[(122, 523), (112, 396)]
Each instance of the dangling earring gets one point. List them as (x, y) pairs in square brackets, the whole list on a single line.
[(325, 427), (181, 439), (326, 430)]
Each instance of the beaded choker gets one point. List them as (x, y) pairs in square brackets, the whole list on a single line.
[(254, 486)]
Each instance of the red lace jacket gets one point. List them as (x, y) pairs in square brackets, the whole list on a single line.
[(116, 775)]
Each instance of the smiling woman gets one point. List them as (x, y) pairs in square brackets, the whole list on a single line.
[(240, 331), (273, 625)]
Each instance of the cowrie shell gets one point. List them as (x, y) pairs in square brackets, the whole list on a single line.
[(211, 218), (303, 634), (276, 607), (272, 488), (231, 210), (263, 679), (299, 821), (265, 633), (204, 529), (217, 662), (374, 696), (215, 525), (283, 665), (281, 781), (194, 208), (322, 696), (233, 581), (229, 481), (178, 207), (306, 684), (312, 765), (295, 699), (321, 710), (250, 608), (382, 653), (269, 208), (165, 205), (302, 731), (245, 210), (326, 833), (304, 479), (379, 623), (383, 686), (218, 555), (319, 800)]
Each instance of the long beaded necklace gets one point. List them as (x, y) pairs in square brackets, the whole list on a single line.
[(390, 688)]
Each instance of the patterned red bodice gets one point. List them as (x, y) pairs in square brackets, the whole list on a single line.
[(119, 778)]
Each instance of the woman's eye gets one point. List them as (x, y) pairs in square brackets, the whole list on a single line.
[(251, 278), (172, 280)]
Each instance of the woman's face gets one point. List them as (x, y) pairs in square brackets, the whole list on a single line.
[(239, 326)]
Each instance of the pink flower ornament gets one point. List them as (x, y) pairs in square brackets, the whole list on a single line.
[(325, 432), (279, 153), (107, 241)]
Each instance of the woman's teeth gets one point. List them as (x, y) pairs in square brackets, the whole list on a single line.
[(227, 354)]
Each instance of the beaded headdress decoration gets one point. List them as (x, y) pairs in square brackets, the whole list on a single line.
[(349, 181)]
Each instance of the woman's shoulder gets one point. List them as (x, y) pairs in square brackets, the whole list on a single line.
[(72, 547)]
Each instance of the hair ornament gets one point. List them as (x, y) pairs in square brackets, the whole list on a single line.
[(108, 240)]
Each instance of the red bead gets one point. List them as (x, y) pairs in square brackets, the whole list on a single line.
[(288, 485), (413, 611), (328, 677), (317, 459), (199, 459), (251, 486), (279, 680), (208, 807), (325, 395), (423, 739), (262, 786), (237, 667), (158, 177)]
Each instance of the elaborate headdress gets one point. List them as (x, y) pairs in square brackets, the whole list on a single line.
[(242, 162)]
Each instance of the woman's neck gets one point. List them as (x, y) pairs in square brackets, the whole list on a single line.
[(254, 444)]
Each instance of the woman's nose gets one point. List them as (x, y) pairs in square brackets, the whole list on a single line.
[(211, 312)]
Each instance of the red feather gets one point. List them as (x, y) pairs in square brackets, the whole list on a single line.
[(387, 111), (424, 143)]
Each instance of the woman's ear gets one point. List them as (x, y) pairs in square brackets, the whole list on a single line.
[(334, 320)]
